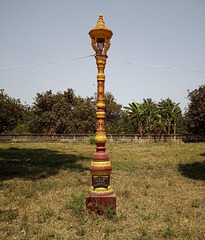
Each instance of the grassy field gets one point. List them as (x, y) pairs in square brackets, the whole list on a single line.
[(160, 191)]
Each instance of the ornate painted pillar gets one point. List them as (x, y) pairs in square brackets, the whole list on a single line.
[(101, 195)]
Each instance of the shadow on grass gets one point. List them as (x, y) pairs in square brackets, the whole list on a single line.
[(195, 170), (36, 163)]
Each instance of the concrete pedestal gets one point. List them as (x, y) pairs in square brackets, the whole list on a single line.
[(101, 204)]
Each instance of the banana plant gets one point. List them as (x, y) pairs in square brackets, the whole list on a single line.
[(137, 113), (169, 114)]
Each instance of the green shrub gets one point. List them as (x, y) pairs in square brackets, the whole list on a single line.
[(21, 129), (91, 139), (76, 203)]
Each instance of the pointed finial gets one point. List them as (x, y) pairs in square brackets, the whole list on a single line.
[(100, 21)]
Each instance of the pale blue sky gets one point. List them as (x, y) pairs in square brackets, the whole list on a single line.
[(158, 32)]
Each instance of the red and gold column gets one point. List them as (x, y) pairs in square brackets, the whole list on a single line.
[(101, 195)]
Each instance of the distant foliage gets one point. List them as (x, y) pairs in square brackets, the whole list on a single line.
[(12, 112), (151, 118), (66, 113), (116, 118), (91, 140), (62, 113), (195, 115), (21, 129), (170, 113)]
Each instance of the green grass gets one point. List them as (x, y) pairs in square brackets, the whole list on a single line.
[(160, 191)]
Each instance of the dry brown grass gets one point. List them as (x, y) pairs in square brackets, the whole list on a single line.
[(160, 191)]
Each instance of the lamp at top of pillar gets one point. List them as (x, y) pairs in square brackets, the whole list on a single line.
[(101, 194), (100, 36)]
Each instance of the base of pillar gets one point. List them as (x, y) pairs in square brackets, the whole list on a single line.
[(101, 204)]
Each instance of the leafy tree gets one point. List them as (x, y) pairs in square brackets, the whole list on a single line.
[(138, 116), (145, 116), (170, 112), (195, 116), (84, 115), (115, 118), (62, 113), (149, 117), (12, 112), (123, 125), (45, 114), (66, 113), (152, 116)]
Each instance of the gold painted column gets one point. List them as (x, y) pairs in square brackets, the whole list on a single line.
[(101, 195)]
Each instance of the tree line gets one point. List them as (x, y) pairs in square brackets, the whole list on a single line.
[(66, 113)]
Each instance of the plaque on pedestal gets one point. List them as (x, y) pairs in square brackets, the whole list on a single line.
[(100, 182)]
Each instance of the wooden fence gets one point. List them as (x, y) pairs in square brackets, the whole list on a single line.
[(110, 138)]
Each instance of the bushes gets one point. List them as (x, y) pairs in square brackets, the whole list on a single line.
[(91, 139)]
